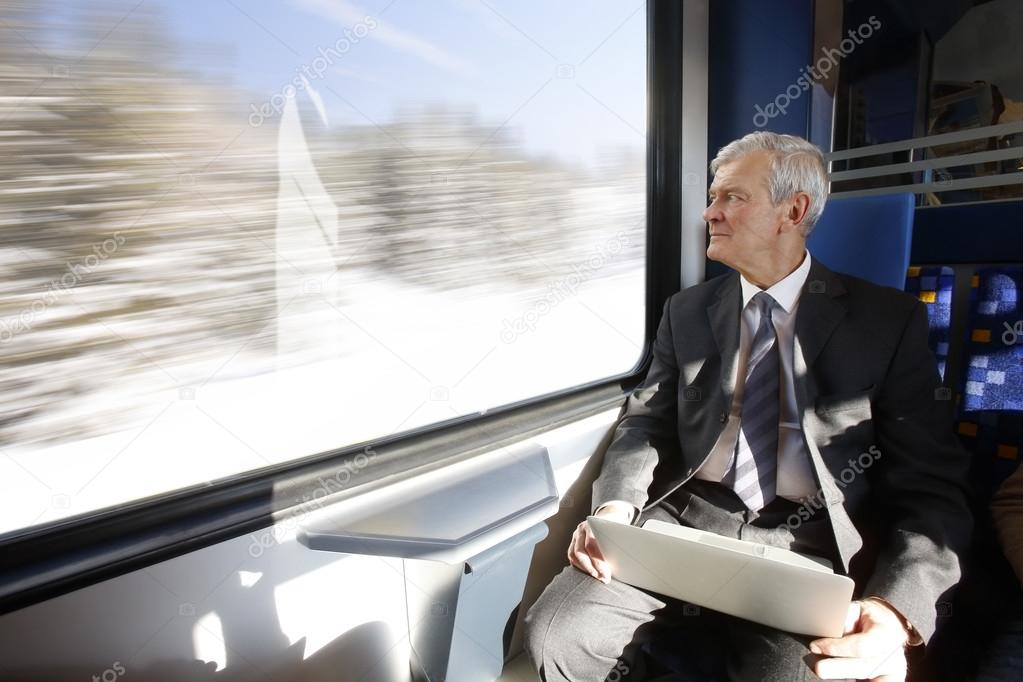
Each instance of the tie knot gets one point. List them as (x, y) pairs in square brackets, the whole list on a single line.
[(765, 303)]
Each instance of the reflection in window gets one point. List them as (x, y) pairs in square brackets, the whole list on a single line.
[(240, 233), (930, 73)]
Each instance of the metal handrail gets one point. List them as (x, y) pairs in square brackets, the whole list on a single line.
[(931, 164), (929, 141)]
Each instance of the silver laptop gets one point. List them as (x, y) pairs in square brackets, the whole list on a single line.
[(767, 585)]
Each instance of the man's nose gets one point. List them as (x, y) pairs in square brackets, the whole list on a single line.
[(712, 213)]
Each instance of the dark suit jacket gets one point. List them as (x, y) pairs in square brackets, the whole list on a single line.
[(866, 382)]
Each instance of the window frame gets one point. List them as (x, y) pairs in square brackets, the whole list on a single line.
[(45, 561)]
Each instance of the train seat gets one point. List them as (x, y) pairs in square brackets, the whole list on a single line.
[(991, 418), (867, 237), (990, 426), (934, 284)]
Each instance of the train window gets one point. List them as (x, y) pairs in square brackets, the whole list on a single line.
[(240, 233), (931, 103), (981, 87)]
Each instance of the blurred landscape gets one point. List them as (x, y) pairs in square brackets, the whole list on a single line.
[(151, 236)]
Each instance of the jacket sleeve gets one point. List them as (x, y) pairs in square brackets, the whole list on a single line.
[(921, 487), (648, 431)]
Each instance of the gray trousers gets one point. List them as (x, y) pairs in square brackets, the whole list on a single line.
[(585, 631)]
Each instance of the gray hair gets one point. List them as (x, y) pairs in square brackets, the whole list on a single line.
[(796, 166)]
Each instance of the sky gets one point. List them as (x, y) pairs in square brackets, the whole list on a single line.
[(568, 76)]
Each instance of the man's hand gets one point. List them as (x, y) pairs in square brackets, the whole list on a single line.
[(872, 648), (583, 552)]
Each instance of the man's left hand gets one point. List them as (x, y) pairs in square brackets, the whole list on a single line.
[(872, 648)]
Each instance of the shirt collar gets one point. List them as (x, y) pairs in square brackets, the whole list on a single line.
[(786, 292)]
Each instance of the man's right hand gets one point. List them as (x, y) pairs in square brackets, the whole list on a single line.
[(583, 551)]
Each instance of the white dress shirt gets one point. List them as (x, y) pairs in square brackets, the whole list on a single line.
[(795, 475)]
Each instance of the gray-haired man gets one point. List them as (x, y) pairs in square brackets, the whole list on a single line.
[(786, 404)]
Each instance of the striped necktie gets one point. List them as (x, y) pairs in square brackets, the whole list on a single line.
[(753, 475)]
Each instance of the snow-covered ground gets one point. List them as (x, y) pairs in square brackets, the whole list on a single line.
[(388, 358)]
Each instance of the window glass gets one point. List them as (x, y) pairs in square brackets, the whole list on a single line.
[(977, 82), (238, 233), (921, 73)]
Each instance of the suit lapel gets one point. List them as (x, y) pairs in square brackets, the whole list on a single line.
[(820, 311), (724, 322)]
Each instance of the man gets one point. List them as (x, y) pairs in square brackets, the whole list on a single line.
[(785, 404)]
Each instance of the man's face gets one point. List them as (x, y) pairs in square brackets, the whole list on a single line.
[(744, 225)]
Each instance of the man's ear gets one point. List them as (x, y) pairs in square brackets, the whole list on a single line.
[(799, 206)]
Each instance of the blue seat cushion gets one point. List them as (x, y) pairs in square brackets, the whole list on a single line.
[(995, 438), (994, 370), (867, 237), (933, 284), (991, 419)]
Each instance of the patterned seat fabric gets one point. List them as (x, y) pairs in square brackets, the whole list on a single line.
[(991, 422), (933, 285)]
